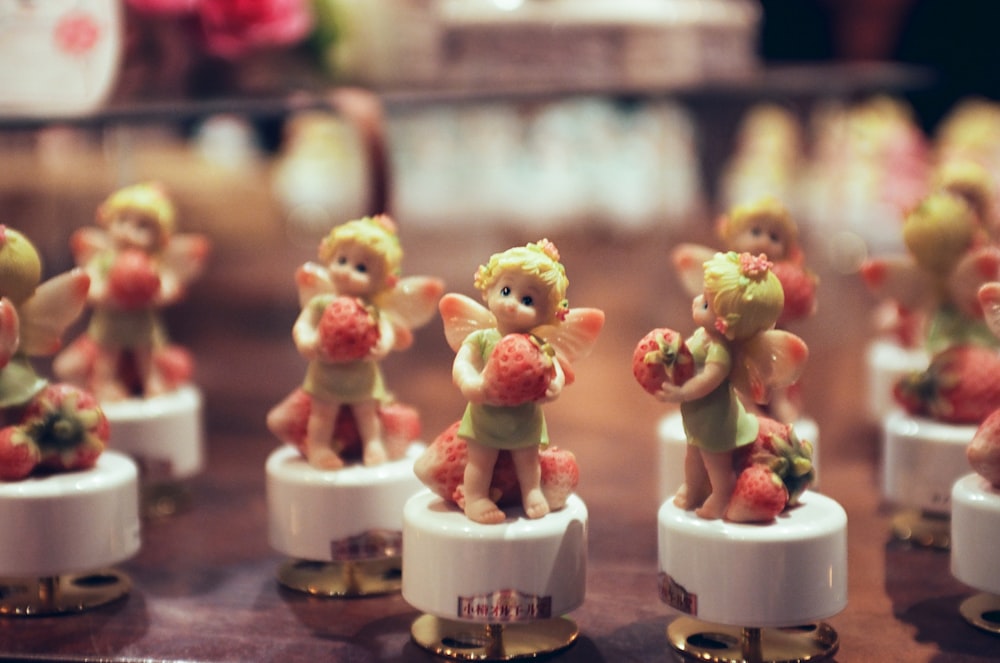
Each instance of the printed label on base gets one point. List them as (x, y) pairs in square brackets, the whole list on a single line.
[(673, 594), (505, 605)]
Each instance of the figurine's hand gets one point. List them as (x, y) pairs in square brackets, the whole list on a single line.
[(670, 393), (555, 387), (473, 388)]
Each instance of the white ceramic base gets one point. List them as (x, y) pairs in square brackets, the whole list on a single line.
[(672, 448), (782, 574), (520, 570), (975, 533), (886, 362), (921, 460), (163, 434), (70, 522)]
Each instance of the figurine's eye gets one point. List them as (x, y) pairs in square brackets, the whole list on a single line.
[(341, 260), (361, 267), (756, 231), (704, 305), (527, 300), (505, 291), (776, 238)]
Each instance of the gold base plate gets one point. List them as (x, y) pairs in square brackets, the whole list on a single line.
[(983, 612), (696, 640), (343, 579), (927, 530), (27, 597), (493, 642)]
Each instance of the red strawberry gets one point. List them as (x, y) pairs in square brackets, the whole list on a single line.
[(799, 285), (984, 450), (518, 370), (68, 426), (347, 330), (779, 448), (661, 356), (759, 496), (961, 386), (400, 427), (133, 281), (19, 454)]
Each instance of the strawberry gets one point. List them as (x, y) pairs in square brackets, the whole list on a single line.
[(347, 330), (960, 386), (400, 427), (799, 285), (68, 426), (518, 370), (174, 364), (133, 281), (759, 496), (661, 356), (984, 450), (19, 454), (780, 449)]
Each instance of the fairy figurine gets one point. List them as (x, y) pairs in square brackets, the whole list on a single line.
[(50, 427), (512, 356), (137, 265), (355, 309), (736, 352)]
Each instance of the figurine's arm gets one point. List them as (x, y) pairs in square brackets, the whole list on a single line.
[(386, 337), (305, 332), (9, 328), (698, 386), (557, 382), (466, 372)]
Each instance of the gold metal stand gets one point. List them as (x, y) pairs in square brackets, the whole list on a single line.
[(162, 499), (348, 579), (695, 640), (922, 528), (982, 611), (57, 595), (493, 642)]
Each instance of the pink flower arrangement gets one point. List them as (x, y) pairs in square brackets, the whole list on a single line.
[(231, 28)]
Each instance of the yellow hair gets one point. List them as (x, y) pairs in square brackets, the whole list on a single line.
[(939, 231), (148, 199), (969, 180), (744, 293), (539, 259), (377, 233), (767, 211)]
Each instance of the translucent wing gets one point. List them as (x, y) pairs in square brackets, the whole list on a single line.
[(901, 280), (54, 306), (689, 261), (574, 337), (771, 360), (462, 316), (312, 279), (975, 269), (185, 256), (86, 243), (989, 299), (411, 304)]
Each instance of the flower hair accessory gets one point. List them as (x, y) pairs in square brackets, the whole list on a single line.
[(754, 267), (547, 247)]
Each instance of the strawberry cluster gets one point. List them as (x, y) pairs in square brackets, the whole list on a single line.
[(661, 356)]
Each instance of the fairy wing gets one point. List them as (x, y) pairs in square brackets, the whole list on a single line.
[(689, 262), (770, 360), (978, 267), (461, 316), (185, 255), (989, 299), (411, 303), (54, 306), (86, 243), (312, 279), (900, 279), (575, 336)]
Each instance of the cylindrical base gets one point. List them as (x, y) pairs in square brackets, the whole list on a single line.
[(782, 574), (695, 640), (70, 522), (975, 531), (493, 642), (887, 362), (520, 570)]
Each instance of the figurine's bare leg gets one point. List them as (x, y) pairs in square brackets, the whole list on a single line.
[(529, 477), (319, 433), (150, 378), (719, 466), (476, 484), (370, 429), (696, 487), (106, 385)]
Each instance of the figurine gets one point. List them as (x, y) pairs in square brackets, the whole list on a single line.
[(511, 357), (762, 226), (137, 265), (46, 427), (355, 310), (736, 353)]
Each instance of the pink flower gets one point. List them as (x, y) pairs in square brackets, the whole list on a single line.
[(233, 27), (754, 266)]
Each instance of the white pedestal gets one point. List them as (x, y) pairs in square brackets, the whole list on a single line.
[(672, 447), (975, 532), (342, 527), (63, 524), (887, 362), (514, 579)]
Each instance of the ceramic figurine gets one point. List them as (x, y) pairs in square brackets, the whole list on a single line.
[(137, 265), (50, 427), (512, 356), (734, 355), (762, 226), (355, 310)]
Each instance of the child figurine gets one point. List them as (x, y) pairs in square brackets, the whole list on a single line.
[(735, 352), (355, 310), (137, 265), (511, 357), (53, 427)]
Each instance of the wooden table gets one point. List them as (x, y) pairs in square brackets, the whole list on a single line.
[(204, 580)]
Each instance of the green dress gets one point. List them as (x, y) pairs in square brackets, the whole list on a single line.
[(717, 422), (497, 426)]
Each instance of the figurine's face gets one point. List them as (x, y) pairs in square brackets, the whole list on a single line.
[(356, 270), (761, 238), (702, 312), (133, 230), (518, 300)]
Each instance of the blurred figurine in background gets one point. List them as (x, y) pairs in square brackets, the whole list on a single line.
[(355, 310), (137, 265)]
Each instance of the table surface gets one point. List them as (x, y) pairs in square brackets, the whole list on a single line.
[(204, 585)]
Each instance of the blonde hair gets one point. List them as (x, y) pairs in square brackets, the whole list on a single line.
[(377, 233), (971, 181), (539, 259), (767, 211), (745, 295), (939, 231), (20, 266), (148, 199)]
